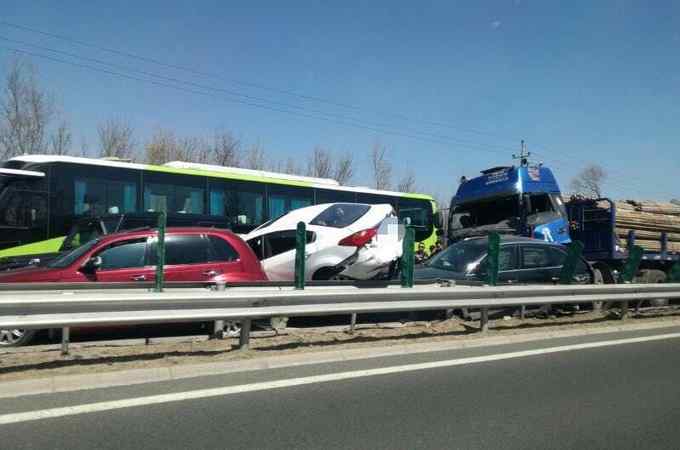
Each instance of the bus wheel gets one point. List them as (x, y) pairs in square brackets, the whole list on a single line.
[(16, 337)]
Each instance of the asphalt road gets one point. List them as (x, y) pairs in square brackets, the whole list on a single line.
[(615, 396)]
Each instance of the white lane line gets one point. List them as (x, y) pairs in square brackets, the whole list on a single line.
[(277, 384)]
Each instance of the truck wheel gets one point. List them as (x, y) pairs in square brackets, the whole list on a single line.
[(652, 276), (16, 337)]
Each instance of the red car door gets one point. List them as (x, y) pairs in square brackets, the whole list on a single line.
[(123, 261), (187, 258)]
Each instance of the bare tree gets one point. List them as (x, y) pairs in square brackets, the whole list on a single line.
[(161, 148), (291, 167), (320, 163), (255, 158), (407, 183), (344, 169), (589, 181), (382, 169), (226, 150), (25, 112), (61, 140), (116, 139)]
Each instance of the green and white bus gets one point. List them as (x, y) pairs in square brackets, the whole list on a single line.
[(42, 196)]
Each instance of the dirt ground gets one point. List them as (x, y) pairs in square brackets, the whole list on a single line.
[(86, 358)]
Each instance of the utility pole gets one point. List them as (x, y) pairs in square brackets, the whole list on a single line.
[(523, 155)]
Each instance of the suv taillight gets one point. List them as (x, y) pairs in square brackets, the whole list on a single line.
[(360, 238)]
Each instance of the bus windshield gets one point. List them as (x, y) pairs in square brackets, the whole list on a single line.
[(21, 205)]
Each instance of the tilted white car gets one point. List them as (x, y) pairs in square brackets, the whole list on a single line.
[(344, 240)]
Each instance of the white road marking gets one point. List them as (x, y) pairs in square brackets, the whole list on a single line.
[(278, 384)]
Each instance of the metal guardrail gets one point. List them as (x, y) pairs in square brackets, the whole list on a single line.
[(40, 310)]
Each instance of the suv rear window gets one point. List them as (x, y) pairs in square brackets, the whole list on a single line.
[(183, 249), (222, 250), (340, 215)]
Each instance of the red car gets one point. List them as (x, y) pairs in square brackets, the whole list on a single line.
[(191, 254)]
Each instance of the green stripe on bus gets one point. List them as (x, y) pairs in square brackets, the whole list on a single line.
[(227, 175), (47, 246)]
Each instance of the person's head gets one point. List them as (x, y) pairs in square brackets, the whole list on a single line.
[(432, 248), (421, 247)]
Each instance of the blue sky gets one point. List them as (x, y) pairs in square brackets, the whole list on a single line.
[(580, 81)]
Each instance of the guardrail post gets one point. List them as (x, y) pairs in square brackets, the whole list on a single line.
[(407, 257), (218, 326), (493, 252), (65, 340), (574, 252), (353, 323), (484, 320), (244, 336), (160, 252), (300, 244), (494, 248), (630, 269)]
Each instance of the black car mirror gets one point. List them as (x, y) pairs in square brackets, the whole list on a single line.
[(92, 264)]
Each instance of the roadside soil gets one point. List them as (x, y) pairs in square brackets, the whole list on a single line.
[(90, 358)]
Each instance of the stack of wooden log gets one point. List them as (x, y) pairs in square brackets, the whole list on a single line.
[(649, 219)]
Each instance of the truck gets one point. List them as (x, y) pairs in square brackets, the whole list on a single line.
[(526, 200)]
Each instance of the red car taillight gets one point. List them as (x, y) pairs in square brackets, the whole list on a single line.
[(360, 238)]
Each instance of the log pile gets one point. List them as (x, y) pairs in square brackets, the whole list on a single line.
[(649, 219)]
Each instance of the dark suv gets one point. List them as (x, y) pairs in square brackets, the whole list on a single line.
[(521, 260)]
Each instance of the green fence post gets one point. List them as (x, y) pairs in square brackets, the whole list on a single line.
[(408, 257), (574, 252), (492, 259), (632, 264), (674, 274), (160, 252), (630, 269), (493, 252), (300, 244)]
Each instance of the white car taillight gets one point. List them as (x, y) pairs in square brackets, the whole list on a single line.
[(360, 238)]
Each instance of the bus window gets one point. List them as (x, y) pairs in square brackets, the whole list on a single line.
[(189, 200), (157, 197), (329, 196), (375, 199), (170, 198), (104, 197), (283, 199), (242, 203), (419, 214)]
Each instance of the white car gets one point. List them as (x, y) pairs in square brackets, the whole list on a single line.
[(344, 240)]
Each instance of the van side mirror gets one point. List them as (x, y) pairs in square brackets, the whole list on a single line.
[(438, 221), (92, 264)]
